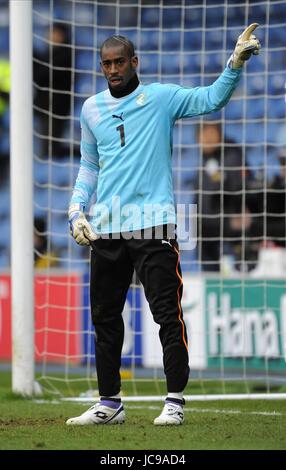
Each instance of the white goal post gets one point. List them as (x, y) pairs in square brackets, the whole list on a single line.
[(21, 137)]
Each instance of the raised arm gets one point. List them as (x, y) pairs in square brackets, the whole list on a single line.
[(187, 102)]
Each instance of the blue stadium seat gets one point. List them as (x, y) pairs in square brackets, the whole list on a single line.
[(214, 39), (232, 35), (4, 11), (62, 173), (171, 63), (59, 234), (188, 134), (83, 12), (255, 108), (276, 61), (63, 11), (192, 63), (84, 60), (4, 259), (60, 199), (106, 15), (103, 33), (259, 14), (85, 84), (272, 132), (276, 108), (260, 157), (184, 195), (184, 135), (4, 204), (255, 84), (41, 200), (281, 134), (276, 84), (84, 36), (58, 223), (39, 211), (255, 157), (277, 11), (213, 62), (235, 16), (148, 40), (185, 164), (171, 41), (233, 131), (41, 171), (78, 102), (193, 17), (172, 17), (5, 142), (101, 84), (5, 119), (40, 37), (257, 64), (254, 133), (214, 16), (192, 40), (149, 63), (150, 17), (5, 239), (234, 109), (51, 199), (4, 38)]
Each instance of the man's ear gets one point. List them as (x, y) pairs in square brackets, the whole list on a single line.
[(134, 62)]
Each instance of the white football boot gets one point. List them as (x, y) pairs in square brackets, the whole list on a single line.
[(172, 415), (99, 414)]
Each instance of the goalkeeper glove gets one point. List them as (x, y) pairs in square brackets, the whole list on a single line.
[(246, 45), (80, 228)]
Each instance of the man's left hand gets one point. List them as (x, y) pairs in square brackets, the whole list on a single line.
[(247, 44)]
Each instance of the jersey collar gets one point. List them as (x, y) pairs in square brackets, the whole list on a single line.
[(130, 87)]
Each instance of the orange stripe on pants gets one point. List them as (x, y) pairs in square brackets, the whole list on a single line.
[(179, 303)]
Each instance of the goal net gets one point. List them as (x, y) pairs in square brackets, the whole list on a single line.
[(230, 165)]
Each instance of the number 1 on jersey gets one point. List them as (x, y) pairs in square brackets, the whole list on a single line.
[(122, 134)]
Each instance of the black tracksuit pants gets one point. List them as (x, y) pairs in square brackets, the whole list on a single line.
[(157, 265)]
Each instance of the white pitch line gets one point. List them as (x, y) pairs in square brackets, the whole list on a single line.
[(211, 410), (188, 410)]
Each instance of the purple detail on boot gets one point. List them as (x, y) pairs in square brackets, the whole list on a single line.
[(177, 401), (110, 404)]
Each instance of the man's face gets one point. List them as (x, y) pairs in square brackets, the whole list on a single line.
[(57, 36), (209, 139), (117, 66)]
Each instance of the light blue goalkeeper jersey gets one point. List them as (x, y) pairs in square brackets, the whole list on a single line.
[(126, 149)]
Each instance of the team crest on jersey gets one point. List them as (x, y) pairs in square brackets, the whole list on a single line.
[(141, 99)]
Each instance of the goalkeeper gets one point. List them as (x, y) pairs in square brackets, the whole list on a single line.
[(126, 151)]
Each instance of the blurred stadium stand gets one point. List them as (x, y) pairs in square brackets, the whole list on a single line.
[(259, 98)]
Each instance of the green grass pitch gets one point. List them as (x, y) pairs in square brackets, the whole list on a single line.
[(221, 425)]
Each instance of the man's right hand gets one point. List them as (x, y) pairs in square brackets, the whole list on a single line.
[(80, 228)]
